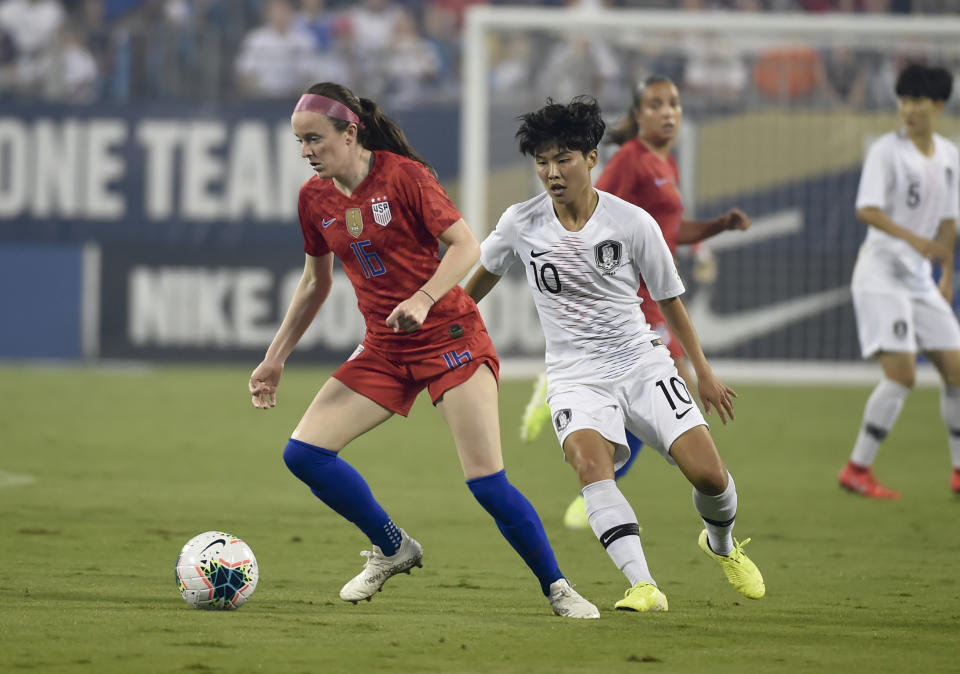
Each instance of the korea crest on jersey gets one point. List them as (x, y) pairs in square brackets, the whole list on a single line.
[(609, 255), (381, 211)]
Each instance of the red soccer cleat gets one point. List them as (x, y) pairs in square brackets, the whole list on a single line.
[(861, 481), (955, 481)]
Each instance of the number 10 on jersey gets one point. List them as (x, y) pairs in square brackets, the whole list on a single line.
[(546, 277)]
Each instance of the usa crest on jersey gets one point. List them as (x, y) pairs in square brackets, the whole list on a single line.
[(381, 211)]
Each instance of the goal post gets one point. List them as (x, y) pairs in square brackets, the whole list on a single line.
[(778, 111)]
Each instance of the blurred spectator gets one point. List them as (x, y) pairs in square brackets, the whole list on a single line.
[(845, 76), (578, 65), (32, 26), (371, 26), (411, 63), (458, 8), (937, 7), (154, 49), (512, 67), (313, 18), (441, 29), (715, 72), (89, 17), (276, 58), (115, 10), (8, 62), (70, 70)]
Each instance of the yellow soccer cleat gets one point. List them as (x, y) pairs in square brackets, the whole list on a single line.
[(643, 598), (741, 572), (537, 414), (576, 515)]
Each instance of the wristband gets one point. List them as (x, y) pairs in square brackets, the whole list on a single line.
[(421, 290)]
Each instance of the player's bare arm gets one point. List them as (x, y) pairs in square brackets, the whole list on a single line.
[(694, 231), (311, 291), (947, 237), (462, 253), (481, 283), (713, 392), (931, 249)]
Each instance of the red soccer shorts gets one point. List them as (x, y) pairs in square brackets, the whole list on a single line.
[(395, 385)]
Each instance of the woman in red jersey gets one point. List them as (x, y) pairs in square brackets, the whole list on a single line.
[(644, 172), (375, 205)]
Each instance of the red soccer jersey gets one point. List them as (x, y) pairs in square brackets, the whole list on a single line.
[(637, 175), (385, 236)]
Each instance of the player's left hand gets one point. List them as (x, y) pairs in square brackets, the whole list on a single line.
[(263, 384), (737, 219), (714, 393), (410, 314)]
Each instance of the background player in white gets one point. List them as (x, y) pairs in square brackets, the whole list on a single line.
[(908, 197), (584, 252)]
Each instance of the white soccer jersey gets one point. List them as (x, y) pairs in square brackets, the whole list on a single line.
[(917, 193), (585, 283)]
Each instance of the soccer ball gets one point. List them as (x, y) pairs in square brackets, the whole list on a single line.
[(216, 570)]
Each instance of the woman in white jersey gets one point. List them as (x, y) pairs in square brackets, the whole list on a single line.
[(908, 197), (584, 252)]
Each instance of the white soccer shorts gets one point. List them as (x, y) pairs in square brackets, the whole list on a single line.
[(903, 321), (651, 401)]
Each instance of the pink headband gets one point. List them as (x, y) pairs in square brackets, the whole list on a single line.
[(329, 107)]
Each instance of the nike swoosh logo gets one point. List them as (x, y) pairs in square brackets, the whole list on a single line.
[(659, 182), (681, 415), (219, 540), (326, 223), (534, 253), (722, 331)]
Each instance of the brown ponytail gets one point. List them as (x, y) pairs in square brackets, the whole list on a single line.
[(378, 132)]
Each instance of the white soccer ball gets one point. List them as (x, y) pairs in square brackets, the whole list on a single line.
[(216, 570)]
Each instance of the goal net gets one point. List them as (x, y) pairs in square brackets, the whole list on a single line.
[(778, 112)]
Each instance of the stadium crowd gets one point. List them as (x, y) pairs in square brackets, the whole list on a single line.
[(400, 51)]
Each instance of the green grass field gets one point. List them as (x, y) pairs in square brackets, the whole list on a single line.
[(130, 464)]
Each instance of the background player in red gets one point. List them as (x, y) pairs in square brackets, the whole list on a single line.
[(644, 172), (375, 205)]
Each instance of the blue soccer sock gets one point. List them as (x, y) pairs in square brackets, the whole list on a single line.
[(635, 444), (340, 486), (519, 524)]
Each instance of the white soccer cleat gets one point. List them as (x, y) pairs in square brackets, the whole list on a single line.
[(379, 568), (567, 603)]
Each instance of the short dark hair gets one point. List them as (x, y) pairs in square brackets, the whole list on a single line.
[(921, 81), (575, 126)]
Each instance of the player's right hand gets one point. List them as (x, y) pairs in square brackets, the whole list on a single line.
[(736, 219), (263, 384)]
